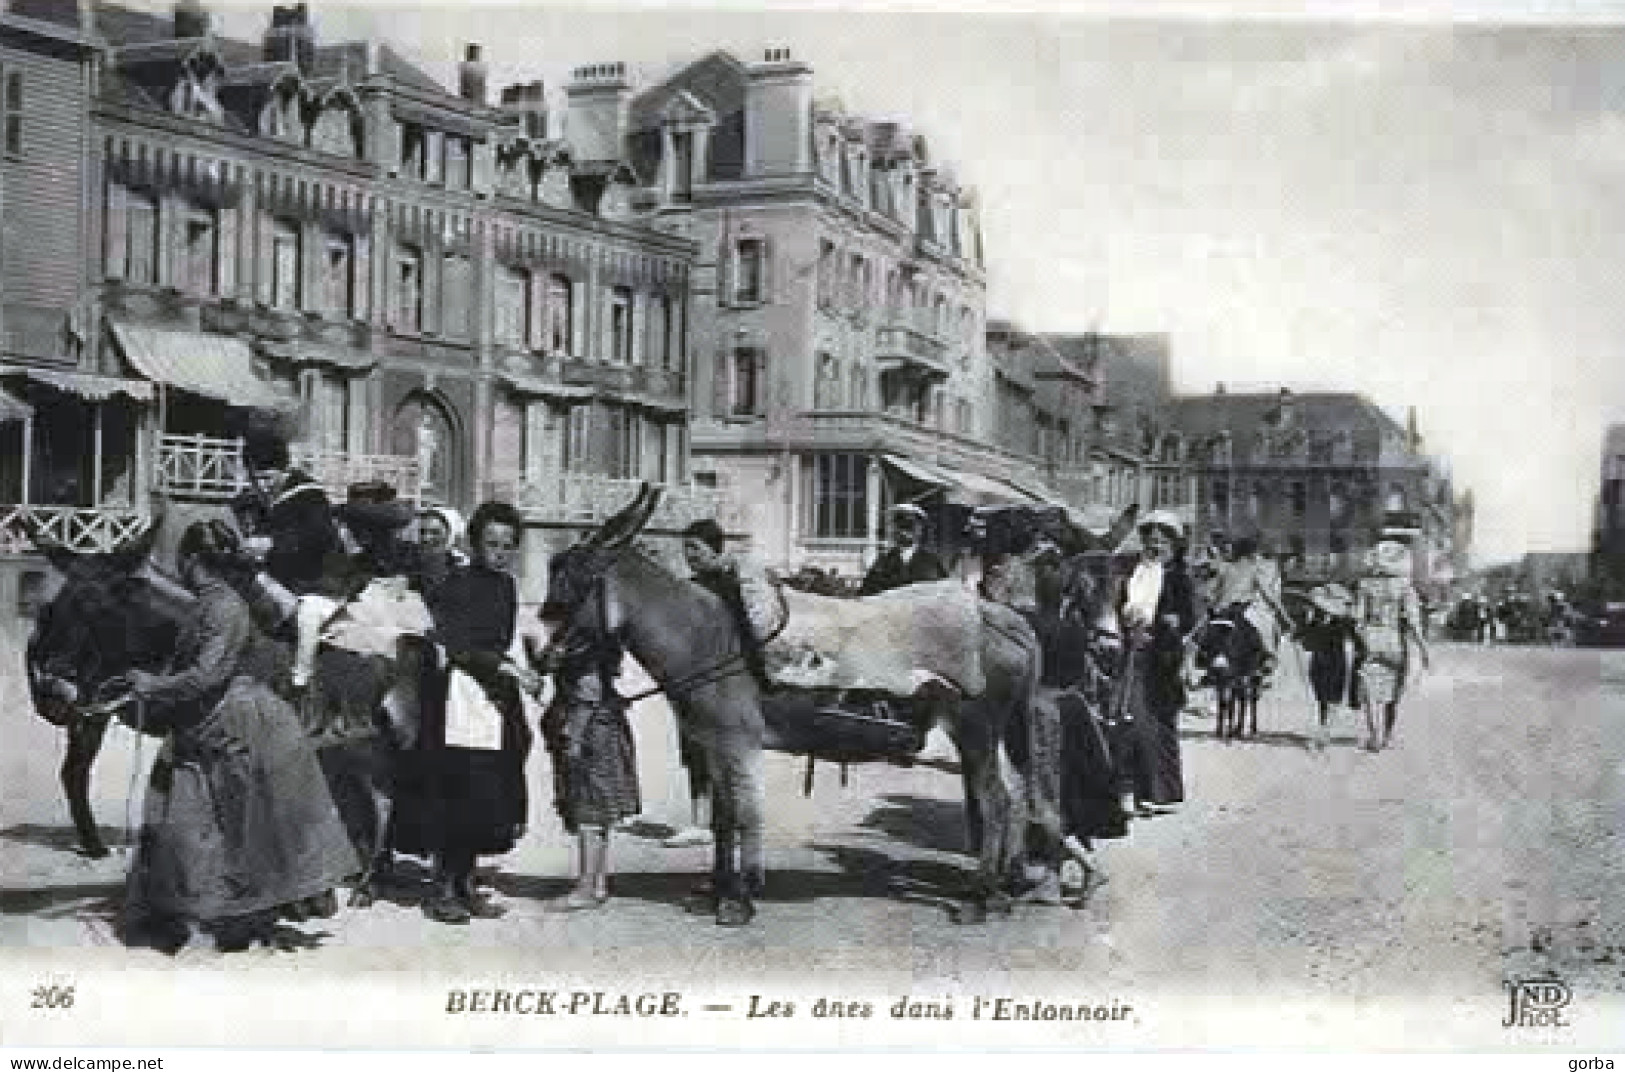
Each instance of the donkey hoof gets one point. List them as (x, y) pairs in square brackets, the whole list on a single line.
[(734, 912)]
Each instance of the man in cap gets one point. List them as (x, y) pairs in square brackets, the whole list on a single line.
[(904, 562)]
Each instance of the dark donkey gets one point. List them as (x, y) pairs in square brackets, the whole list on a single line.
[(113, 613), (1234, 656), (688, 642)]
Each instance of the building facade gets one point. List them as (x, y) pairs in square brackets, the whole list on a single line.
[(445, 296), (1608, 538), (840, 297), (1317, 478)]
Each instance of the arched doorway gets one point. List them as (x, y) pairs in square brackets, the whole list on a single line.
[(425, 427)]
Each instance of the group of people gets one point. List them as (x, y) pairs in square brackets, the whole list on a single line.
[(240, 830)]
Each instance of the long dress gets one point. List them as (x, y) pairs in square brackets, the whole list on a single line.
[(1155, 695), (1326, 640), (238, 818), (468, 799), (1384, 608)]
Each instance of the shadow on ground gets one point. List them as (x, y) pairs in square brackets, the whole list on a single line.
[(60, 838)]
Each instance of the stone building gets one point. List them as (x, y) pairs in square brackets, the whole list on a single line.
[(840, 300), (1317, 477), (450, 296), (1608, 539)]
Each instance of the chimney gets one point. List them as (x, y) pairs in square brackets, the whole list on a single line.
[(778, 116), (191, 20), (595, 123), (471, 76), (291, 38), (529, 102)]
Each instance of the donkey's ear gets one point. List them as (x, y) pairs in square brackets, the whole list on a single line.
[(623, 525), (637, 515)]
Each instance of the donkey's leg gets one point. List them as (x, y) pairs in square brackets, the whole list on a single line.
[(84, 744), (736, 825), (987, 814)]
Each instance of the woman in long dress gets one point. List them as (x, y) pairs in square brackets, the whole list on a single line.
[(239, 826), (1158, 611), (1388, 616), (465, 790)]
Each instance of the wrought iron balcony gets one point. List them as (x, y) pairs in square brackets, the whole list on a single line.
[(903, 348), (74, 527), (210, 469)]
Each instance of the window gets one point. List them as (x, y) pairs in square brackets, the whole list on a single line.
[(744, 396), (1337, 503), (332, 411), (557, 322), (512, 306), (408, 297), (1167, 489), (682, 165), (1255, 507), (13, 112), (412, 149), (856, 295), (749, 271), (857, 396), (1295, 546), (141, 239), (627, 439), (457, 297), (576, 432), (1340, 544), (827, 388), (201, 253), (338, 277), (826, 274), (620, 326), (1300, 499), (284, 265), (1395, 502), (459, 157), (662, 332), (1221, 498), (839, 497)]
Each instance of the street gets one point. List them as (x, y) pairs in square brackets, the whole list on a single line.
[(1485, 845)]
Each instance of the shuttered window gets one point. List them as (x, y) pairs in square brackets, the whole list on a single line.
[(13, 111), (620, 326), (512, 306), (745, 394), (559, 329), (750, 272), (338, 276), (201, 254), (407, 300), (284, 265), (141, 239)]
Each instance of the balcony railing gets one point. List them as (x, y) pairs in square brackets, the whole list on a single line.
[(210, 469), (908, 346), (74, 527), (589, 499)]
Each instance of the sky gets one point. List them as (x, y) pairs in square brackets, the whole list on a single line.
[(1429, 210)]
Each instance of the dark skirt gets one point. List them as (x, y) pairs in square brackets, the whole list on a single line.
[(595, 778), (1155, 699), (460, 800), (238, 818), (1090, 807), (1330, 670)]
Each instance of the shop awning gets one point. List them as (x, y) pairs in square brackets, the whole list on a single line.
[(1036, 492), (919, 471), (86, 385), (215, 366), (534, 385), (303, 353), (974, 489), (13, 408)]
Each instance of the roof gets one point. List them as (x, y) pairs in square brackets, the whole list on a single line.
[(1204, 415), (65, 13)]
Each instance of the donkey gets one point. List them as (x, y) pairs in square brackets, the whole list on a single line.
[(1234, 656), (688, 642)]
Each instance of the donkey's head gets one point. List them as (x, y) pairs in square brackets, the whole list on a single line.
[(114, 612), (575, 573)]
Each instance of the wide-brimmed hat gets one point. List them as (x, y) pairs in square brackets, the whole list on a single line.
[(1164, 520), (449, 517), (1391, 558), (374, 507)]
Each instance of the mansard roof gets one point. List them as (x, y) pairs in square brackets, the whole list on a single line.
[(1244, 414)]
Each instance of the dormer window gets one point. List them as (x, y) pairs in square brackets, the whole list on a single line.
[(195, 100), (413, 145)]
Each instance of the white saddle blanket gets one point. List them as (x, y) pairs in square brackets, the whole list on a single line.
[(374, 622), (893, 642)]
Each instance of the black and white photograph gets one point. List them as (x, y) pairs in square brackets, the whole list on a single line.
[(1090, 527)]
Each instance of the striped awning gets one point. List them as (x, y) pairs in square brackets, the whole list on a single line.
[(306, 353), (918, 471), (215, 366), (87, 385)]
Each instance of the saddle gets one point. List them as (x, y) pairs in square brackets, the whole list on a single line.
[(891, 644)]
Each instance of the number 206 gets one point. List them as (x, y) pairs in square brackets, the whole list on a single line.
[(53, 997)]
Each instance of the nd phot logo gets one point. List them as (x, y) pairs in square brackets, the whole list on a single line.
[(1537, 1003)]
